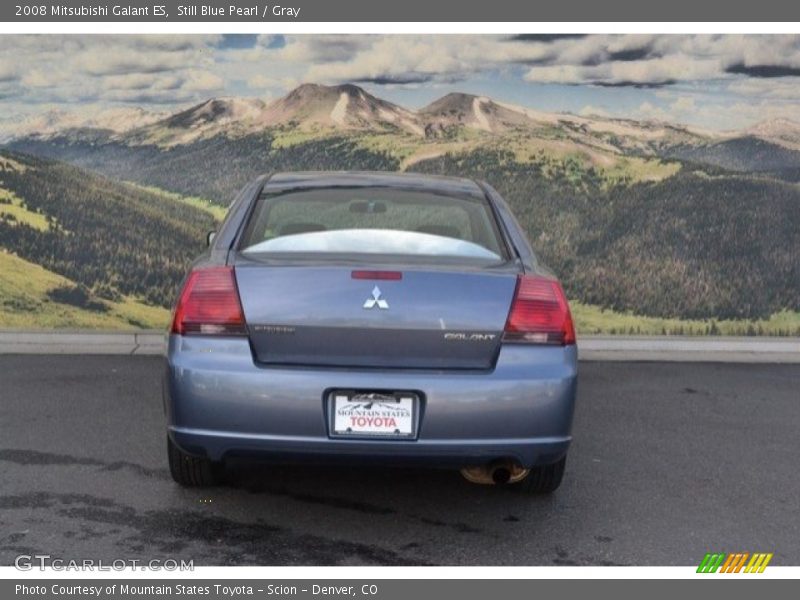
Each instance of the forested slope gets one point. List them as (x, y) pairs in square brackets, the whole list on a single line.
[(694, 245), (112, 238)]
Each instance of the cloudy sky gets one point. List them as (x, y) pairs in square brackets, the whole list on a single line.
[(711, 81)]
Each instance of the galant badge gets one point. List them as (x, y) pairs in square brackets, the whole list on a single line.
[(376, 300)]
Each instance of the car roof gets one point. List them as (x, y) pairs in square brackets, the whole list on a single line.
[(451, 186)]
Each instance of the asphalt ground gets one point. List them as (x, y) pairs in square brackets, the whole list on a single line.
[(669, 461)]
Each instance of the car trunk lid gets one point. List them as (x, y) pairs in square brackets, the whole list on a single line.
[(343, 316)]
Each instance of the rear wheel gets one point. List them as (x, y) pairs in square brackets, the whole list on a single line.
[(543, 480), (192, 471)]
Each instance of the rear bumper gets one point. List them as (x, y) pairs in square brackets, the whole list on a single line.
[(220, 404)]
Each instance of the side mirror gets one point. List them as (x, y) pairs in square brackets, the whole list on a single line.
[(210, 237)]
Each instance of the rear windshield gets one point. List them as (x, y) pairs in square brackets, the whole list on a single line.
[(373, 221)]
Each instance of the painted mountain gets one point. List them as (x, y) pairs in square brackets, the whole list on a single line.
[(652, 226)]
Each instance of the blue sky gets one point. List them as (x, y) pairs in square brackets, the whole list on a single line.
[(708, 81)]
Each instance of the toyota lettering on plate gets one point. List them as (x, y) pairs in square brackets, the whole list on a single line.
[(373, 414)]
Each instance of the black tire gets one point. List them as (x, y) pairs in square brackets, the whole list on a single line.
[(543, 480), (192, 471)]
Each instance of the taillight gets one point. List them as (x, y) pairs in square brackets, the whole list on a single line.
[(209, 304), (539, 313)]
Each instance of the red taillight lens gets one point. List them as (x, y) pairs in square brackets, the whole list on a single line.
[(209, 304), (539, 313)]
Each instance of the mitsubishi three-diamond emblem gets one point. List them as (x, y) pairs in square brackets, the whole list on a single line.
[(376, 300)]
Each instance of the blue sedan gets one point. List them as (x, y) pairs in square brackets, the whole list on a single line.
[(371, 318)]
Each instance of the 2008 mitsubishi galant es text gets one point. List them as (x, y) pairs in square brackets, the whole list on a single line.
[(371, 318)]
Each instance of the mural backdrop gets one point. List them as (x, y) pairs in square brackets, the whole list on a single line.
[(659, 176)]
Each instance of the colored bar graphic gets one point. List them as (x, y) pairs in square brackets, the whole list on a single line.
[(734, 562), (741, 562), (711, 563), (726, 567), (758, 563)]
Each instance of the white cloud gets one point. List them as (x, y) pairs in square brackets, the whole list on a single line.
[(718, 78), (558, 74), (142, 81), (647, 72), (259, 81), (599, 59), (648, 111), (8, 71), (785, 89), (120, 61), (38, 79), (205, 81), (593, 111), (744, 114), (708, 111), (684, 104)]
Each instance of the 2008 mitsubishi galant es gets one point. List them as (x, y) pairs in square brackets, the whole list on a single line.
[(372, 317)]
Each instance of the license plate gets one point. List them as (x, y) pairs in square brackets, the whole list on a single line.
[(373, 414)]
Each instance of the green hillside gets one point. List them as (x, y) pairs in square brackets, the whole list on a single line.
[(115, 243), (213, 168), (633, 237), (27, 299), (216, 168), (747, 154), (690, 246), (591, 319)]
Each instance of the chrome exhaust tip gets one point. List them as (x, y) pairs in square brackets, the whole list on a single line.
[(499, 472)]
